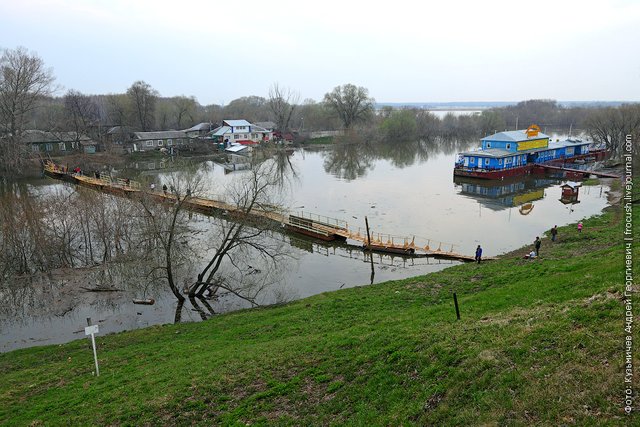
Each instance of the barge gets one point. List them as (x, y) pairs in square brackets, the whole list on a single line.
[(517, 153)]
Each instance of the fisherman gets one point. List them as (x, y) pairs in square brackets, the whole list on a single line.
[(554, 233), (537, 244), (478, 254)]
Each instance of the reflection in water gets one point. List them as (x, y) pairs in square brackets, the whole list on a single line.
[(348, 161), (352, 160), (403, 188), (498, 195)]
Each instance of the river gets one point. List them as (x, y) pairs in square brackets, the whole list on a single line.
[(404, 189)]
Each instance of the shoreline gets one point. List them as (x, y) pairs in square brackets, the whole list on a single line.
[(371, 354)]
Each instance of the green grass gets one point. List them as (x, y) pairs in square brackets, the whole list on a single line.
[(539, 342), (591, 181)]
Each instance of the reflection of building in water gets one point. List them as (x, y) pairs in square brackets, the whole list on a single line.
[(570, 192), (235, 162), (498, 195)]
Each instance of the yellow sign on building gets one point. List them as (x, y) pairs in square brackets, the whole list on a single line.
[(534, 143)]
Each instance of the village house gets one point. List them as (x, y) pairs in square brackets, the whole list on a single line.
[(146, 141), (57, 143), (240, 132), (201, 130)]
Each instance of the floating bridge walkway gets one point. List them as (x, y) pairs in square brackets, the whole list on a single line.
[(577, 171), (317, 226)]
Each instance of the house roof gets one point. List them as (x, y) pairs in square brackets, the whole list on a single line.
[(40, 136), (204, 126), (165, 134), (118, 129), (236, 123), (513, 136), (256, 128), (222, 130)]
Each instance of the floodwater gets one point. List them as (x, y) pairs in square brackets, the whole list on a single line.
[(404, 189)]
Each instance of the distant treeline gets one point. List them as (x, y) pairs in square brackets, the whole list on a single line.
[(95, 114), (27, 102)]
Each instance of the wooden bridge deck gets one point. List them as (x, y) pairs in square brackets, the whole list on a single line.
[(314, 225), (587, 172)]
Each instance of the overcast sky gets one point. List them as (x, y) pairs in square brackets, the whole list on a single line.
[(402, 51)]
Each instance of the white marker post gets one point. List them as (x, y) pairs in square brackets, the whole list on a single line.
[(92, 330)]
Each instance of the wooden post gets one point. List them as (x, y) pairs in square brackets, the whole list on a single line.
[(373, 271), (455, 302), (366, 223)]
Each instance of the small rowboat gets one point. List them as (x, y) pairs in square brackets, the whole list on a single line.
[(526, 209)]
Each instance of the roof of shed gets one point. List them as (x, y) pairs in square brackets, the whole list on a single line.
[(34, 136), (165, 134)]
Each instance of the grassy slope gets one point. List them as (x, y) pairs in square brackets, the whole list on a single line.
[(539, 342)]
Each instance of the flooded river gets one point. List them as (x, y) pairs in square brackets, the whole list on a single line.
[(403, 189)]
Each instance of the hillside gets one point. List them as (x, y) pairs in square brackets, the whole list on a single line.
[(539, 342)]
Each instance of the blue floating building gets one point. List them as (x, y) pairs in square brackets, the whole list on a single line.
[(513, 153)]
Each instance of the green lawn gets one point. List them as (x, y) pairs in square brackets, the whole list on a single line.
[(323, 140), (540, 342)]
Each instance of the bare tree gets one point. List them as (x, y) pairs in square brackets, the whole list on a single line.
[(24, 80), (251, 108), (185, 109), (142, 98), (610, 127), (282, 102), (81, 114), (350, 103), (238, 243)]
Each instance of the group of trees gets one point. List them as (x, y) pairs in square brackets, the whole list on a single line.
[(27, 101), (236, 254)]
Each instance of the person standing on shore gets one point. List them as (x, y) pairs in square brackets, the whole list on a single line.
[(580, 227), (537, 244), (478, 254), (554, 233)]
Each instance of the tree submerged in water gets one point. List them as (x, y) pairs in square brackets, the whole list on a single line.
[(235, 251)]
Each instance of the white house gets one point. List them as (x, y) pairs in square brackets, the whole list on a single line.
[(241, 132)]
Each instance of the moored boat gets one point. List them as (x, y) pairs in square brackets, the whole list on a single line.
[(515, 153)]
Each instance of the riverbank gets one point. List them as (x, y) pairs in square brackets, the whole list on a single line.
[(538, 342)]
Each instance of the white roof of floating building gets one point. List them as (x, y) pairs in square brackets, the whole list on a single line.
[(514, 136), (572, 184)]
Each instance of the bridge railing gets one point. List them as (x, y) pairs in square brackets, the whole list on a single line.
[(407, 242), (323, 220)]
